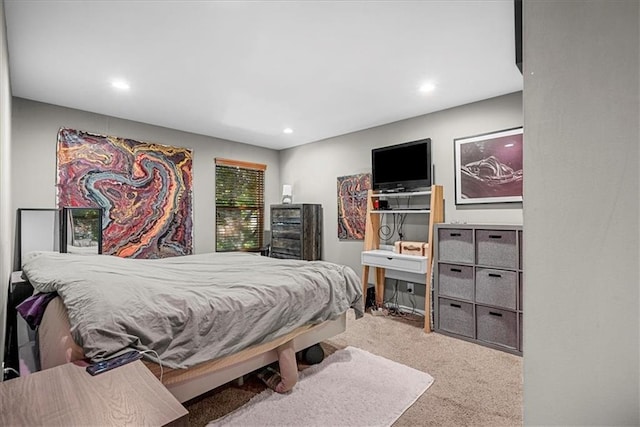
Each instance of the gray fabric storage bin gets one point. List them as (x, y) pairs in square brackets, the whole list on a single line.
[(496, 287), (456, 317), (497, 326), (497, 248), (455, 281), (455, 245)]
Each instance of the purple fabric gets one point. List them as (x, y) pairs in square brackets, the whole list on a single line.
[(33, 307)]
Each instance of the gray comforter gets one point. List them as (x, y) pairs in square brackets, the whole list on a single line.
[(193, 308)]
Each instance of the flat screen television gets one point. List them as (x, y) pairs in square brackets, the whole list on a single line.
[(402, 167)]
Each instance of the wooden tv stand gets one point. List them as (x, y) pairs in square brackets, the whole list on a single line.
[(381, 260)]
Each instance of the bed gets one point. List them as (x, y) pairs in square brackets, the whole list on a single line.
[(210, 318)]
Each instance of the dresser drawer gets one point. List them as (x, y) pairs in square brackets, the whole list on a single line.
[(285, 231), (497, 326), (286, 246), (280, 215), (455, 245), (496, 287), (394, 261), (497, 248), (281, 255), (455, 281), (456, 316)]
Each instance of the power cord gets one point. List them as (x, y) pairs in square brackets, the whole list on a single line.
[(157, 357), (385, 232), (401, 219), (8, 370), (412, 300), (393, 304), (391, 298)]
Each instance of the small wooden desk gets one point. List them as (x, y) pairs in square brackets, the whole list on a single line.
[(68, 396)]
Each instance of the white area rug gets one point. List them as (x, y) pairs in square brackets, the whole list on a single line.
[(351, 387)]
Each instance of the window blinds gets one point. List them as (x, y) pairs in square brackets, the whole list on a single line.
[(239, 205)]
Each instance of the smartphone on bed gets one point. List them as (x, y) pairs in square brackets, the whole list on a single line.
[(114, 362)]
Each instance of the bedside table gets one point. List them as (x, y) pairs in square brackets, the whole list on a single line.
[(67, 395)]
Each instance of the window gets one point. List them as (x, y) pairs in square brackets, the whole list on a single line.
[(239, 205)]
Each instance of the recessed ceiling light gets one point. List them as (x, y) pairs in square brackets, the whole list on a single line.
[(120, 84), (509, 145), (427, 87), (288, 130)]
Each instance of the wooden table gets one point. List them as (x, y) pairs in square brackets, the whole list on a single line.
[(68, 396)]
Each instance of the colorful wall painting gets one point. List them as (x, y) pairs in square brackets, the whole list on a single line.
[(352, 205), (145, 190)]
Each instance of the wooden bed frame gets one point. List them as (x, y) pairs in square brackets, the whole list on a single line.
[(57, 347)]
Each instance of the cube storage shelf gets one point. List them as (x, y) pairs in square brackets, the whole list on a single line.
[(478, 284)]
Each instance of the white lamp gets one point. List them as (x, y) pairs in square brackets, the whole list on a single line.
[(286, 194)]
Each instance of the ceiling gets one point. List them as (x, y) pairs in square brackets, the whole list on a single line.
[(245, 71)]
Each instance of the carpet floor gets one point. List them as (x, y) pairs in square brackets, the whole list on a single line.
[(474, 385)]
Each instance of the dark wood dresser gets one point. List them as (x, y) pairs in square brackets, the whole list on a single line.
[(296, 231)]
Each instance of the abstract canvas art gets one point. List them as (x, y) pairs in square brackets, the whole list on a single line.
[(488, 167), (145, 191), (352, 205)]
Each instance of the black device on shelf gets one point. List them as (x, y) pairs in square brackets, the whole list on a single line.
[(402, 167)]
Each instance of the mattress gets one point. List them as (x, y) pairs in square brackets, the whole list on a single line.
[(194, 308)]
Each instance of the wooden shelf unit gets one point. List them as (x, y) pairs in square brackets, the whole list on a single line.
[(372, 241)]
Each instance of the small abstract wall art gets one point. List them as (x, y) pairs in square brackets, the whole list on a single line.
[(488, 167), (352, 205), (145, 190)]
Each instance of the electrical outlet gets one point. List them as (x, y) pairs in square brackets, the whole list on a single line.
[(410, 288)]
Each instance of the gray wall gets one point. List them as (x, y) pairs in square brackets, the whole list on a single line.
[(581, 92), (5, 177), (35, 128), (312, 169)]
